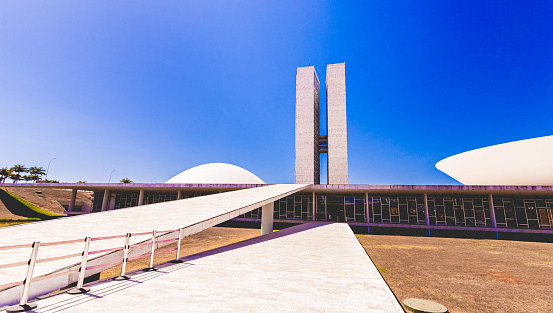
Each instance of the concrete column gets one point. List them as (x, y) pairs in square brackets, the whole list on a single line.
[(492, 211), (72, 200), (314, 206), (267, 218), (141, 197), (366, 207), (426, 213), (179, 194), (106, 199)]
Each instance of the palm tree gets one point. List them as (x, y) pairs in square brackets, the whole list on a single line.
[(27, 178), (34, 177), (15, 177), (19, 169), (125, 181), (36, 172), (4, 173), (16, 172)]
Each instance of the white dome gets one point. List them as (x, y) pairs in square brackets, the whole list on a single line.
[(216, 173), (524, 162)]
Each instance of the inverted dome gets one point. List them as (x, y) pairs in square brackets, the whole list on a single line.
[(524, 162), (216, 173)]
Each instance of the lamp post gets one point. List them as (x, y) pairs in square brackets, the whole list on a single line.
[(48, 169), (152, 180), (110, 176)]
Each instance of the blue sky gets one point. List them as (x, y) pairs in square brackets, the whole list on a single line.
[(151, 89)]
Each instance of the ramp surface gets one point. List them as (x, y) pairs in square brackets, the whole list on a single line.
[(195, 214), (314, 267)]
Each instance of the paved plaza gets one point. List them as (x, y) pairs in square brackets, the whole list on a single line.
[(315, 267)]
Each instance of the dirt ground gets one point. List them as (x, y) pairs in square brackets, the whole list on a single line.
[(208, 239), (42, 198), (466, 275)]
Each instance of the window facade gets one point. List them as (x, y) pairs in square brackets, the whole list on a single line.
[(473, 211), (459, 211), (396, 209), (523, 212)]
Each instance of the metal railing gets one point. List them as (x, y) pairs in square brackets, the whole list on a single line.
[(86, 253)]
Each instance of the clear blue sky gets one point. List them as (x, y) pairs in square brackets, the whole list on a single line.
[(151, 88)]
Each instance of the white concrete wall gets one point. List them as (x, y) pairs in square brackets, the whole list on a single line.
[(307, 170), (337, 124)]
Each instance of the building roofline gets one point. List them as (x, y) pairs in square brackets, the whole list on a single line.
[(331, 189)]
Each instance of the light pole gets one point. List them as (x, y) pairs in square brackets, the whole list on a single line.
[(110, 176), (152, 180), (48, 169)]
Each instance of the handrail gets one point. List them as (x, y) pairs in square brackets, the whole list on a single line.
[(16, 247), (14, 264), (59, 257), (108, 237), (55, 243), (85, 254)]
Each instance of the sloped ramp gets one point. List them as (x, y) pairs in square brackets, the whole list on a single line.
[(193, 215), (314, 267)]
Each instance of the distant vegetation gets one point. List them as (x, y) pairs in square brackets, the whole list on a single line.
[(15, 173), (126, 181)]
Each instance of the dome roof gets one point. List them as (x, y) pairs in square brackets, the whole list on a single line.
[(216, 173), (524, 162)]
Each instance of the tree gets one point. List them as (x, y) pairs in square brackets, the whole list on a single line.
[(4, 173), (81, 182), (27, 178), (15, 177), (17, 170), (34, 177), (125, 181), (37, 172)]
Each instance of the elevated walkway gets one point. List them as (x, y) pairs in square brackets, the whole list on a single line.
[(314, 267), (65, 237)]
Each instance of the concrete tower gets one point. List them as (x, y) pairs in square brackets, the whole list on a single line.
[(307, 169), (337, 154)]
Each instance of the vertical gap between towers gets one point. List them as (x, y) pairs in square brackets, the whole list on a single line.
[(322, 123)]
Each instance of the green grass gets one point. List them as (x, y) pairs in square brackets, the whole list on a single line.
[(33, 207), (4, 222), (30, 219), (382, 270)]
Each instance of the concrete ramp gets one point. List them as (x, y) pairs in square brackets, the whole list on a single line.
[(314, 267), (193, 214)]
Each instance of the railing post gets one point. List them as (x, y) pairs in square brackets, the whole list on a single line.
[(125, 257), (176, 260), (23, 305), (80, 289), (151, 267)]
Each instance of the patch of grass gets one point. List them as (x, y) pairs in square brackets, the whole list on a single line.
[(30, 219), (5, 222), (382, 270), (33, 207), (364, 237)]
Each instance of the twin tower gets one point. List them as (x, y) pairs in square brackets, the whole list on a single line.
[(309, 142)]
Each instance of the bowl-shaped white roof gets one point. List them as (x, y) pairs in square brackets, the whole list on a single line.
[(524, 162), (216, 173)]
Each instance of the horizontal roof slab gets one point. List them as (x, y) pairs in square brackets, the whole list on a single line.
[(326, 189)]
